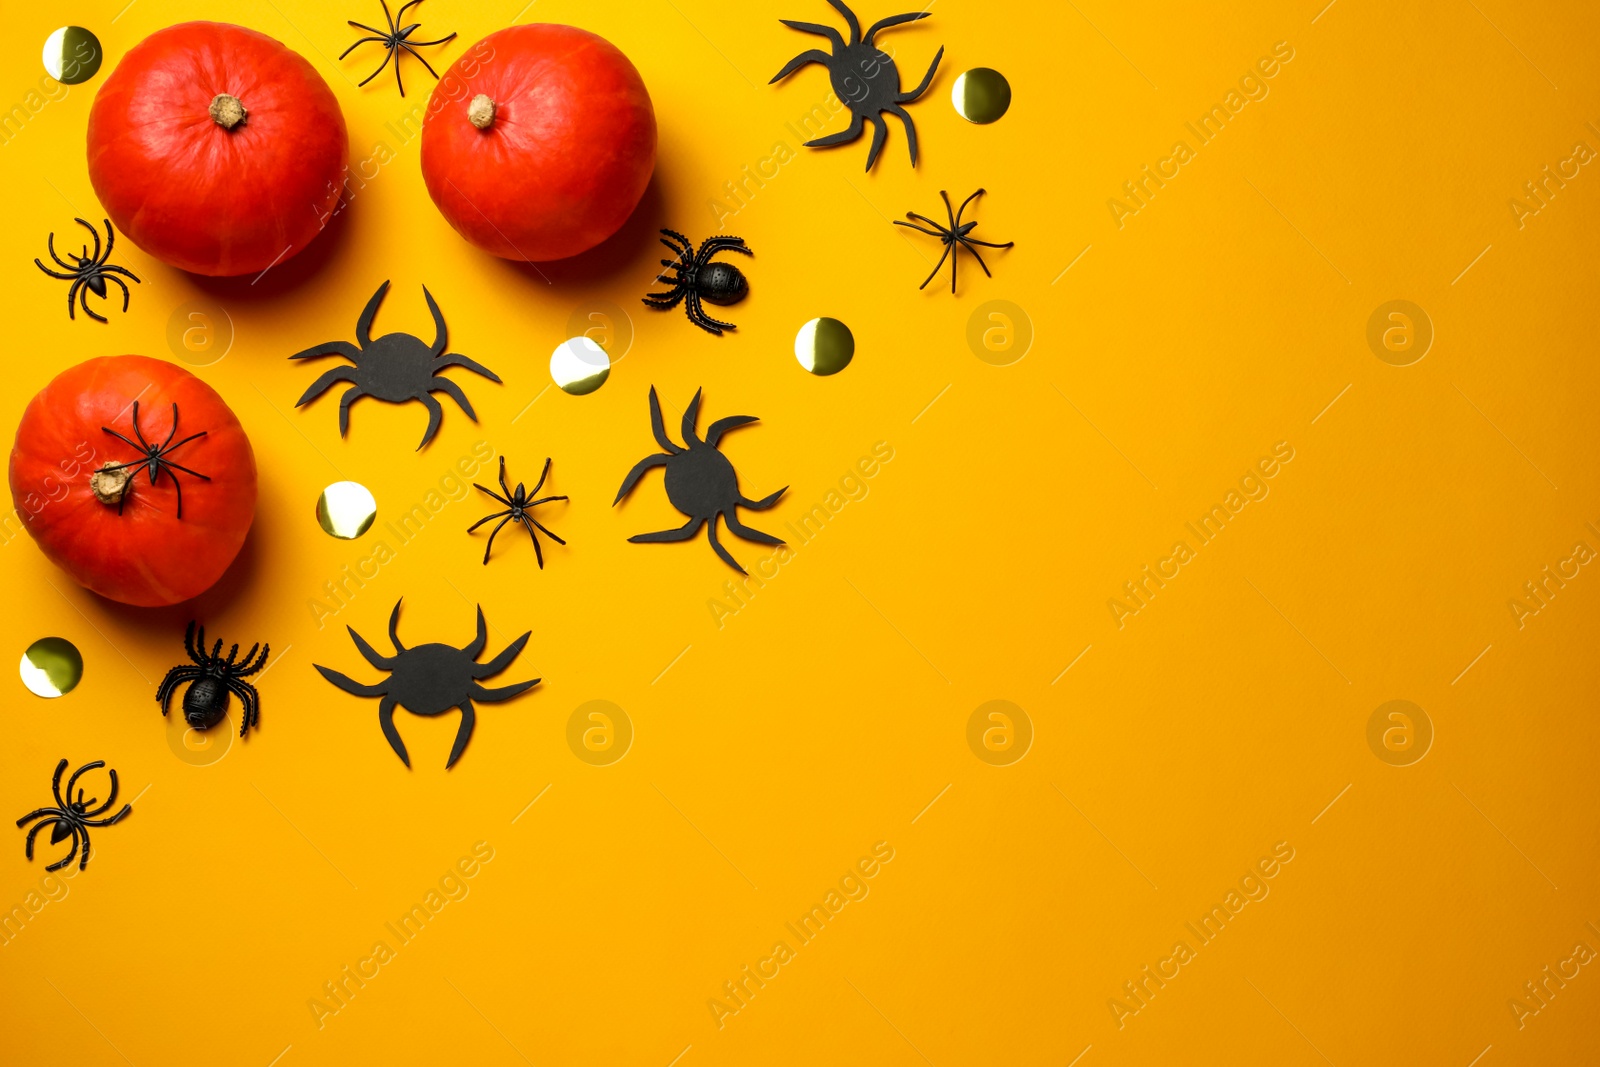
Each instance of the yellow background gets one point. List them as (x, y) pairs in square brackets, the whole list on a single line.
[(772, 752)]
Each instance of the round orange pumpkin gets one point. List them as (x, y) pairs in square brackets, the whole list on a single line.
[(87, 496)]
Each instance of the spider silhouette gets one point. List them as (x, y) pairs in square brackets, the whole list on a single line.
[(213, 679), (518, 509), (396, 38), (156, 461), (430, 680), (864, 77), (697, 279), (88, 273), (700, 482), (72, 818), (395, 368), (954, 236)]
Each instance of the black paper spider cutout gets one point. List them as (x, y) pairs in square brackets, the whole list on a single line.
[(697, 279), (155, 460), (88, 273), (72, 817), (213, 679), (395, 368), (700, 481), (518, 509), (953, 237), (394, 40), (432, 679), (864, 78)]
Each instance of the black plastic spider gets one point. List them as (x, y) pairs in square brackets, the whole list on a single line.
[(115, 480), (864, 77), (953, 236), (89, 273), (395, 39), (214, 678), (395, 368), (432, 679), (700, 482), (72, 817), (699, 279), (519, 509)]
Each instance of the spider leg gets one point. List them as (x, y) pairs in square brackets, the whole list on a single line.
[(979, 258), (936, 266), (681, 533), (503, 660), (542, 476), (83, 300), (80, 772), (360, 41), (351, 395), (490, 546), (504, 488), (538, 553), (36, 813), (906, 98), (198, 652), (764, 503), (370, 654), (455, 359), (382, 36), (440, 334), (50, 243), (247, 698), (658, 460), (387, 55), (955, 223), (691, 416), (879, 132), (698, 316), (715, 431), (111, 268), (504, 692), (812, 55), (892, 20), (331, 348), (451, 389), (325, 382), (397, 81), (54, 273), (350, 685), (919, 229), (487, 518), (725, 244), (169, 685), (125, 293), (71, 855), (857, 123), (481, 639), (657, 427), (686, 252), (911, 129), (747, 532), (665, 301), (127, 809), (418, 55), (386, 721), (177, 487), (368, 313), (987, 244), (394, 27), (248, 668), (850, 20), (557, 538), (27, 847), (55, 784), (435, 414), (110, 800), (424, 44), (394, 626), (711, 534), (93, 233), (821, 31), (469, 718), (400, 16)]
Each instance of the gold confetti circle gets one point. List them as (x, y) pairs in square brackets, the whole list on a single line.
[(824, 346), (51, 667), (579, 365), (346, 510), (981, 95), (72, 54)]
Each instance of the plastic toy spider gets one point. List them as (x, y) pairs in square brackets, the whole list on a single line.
[(213, 679), (953, 236), (700, 482), (864, 77), (88, 273), (155, 461), (393, 40), (72, 818), (697, 279), (395, 368), (518, 509), (430, 680)]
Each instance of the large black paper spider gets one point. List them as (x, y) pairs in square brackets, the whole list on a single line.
[(953, 236), (72, 817), (518, 509), (393, 40), (395, 368), (88, 273), (864, 77), (430, 680), (155, 459), (700, 482), (697, 279), (213, 679)]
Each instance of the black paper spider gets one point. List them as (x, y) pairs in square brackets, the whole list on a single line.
[(72, 817), (155, 461), (430, 680), (697, 279), (953, 236), (395, 368), (518, 509), (213, 679), (700, 482), (88, 273), (393, 40), (864, 77)]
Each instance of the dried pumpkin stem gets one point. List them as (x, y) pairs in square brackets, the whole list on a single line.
[(481, 112), (110, 485), (226, 111)]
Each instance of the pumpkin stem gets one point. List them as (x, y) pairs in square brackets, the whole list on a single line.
[(110, 485), (226, 111), (481, 112)]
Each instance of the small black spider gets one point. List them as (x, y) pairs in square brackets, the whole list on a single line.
[(519, 509), (72, 817), (954, 235), (430, 680), (697, 279), (214, 678), (393, 40), (395, 368), (700, 482), (117, 478), (864, 77), (89, 273)]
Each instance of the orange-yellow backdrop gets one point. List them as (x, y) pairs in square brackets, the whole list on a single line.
[(776, 745)]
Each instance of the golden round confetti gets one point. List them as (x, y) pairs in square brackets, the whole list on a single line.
[(72, 54), (346, 510), (824, 346), (981, 95), (51, 667), (579, 365)]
